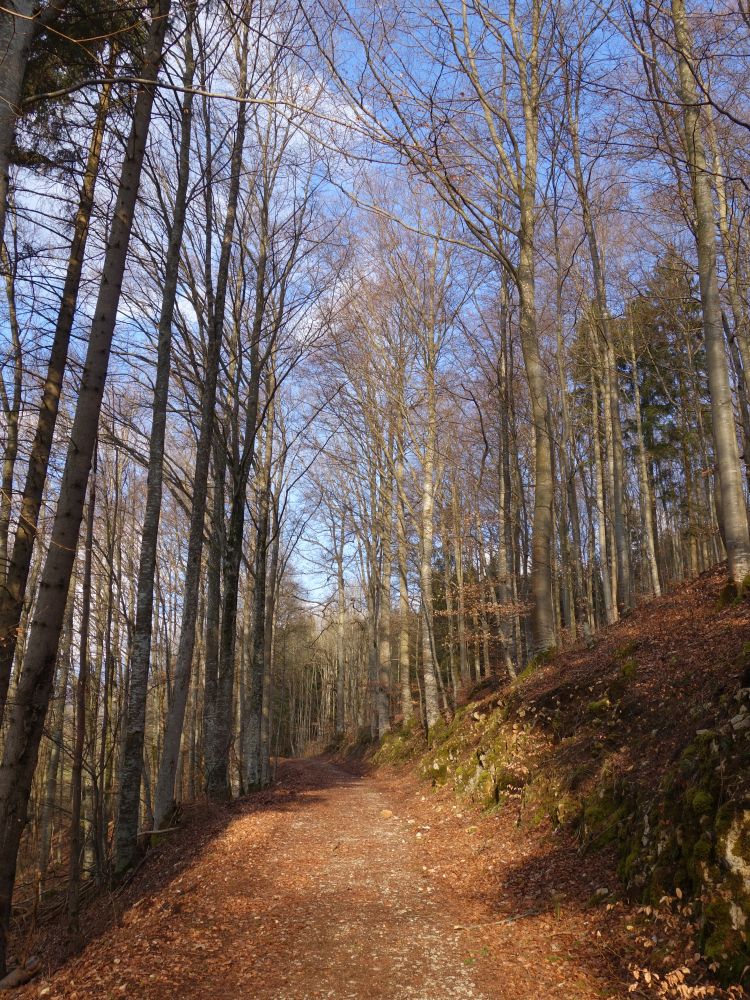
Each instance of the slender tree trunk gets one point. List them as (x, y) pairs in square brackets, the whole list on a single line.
[(429, 666), (13, 589), (733, 514), (608, 370), (407, 708), (340, 631), (131, 765), (450, 614), (384, 617), (253, 777), (739, 312), (645, 485), (74, 877), (12, 411), (58, 729), (213, 615), (601, 521), (463, 661), (268, 651), (542, 616)]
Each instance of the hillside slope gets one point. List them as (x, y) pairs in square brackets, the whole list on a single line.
[(639, 747)]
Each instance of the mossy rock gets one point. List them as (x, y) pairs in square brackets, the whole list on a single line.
[(732, 594), (694, 837), (627, 650), (629, 669), (725, 939), (400, 745), (601, 817), (539, 659), (599, 707), (728, 595), (702, 802)]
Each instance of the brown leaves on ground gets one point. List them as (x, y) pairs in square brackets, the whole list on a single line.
[(309, 891)]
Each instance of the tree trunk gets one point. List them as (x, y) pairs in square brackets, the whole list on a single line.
[(131, 764), (74, 877), (608, 370), (384, 616), (268, 652), (58, 728), (601, 521), (645, 486), (407, 708), (733, 514), (253, 776), (13, 591), (12, 411), (429, 666), (340, 631), (542, 615)]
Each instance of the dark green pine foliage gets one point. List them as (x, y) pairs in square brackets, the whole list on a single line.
[(70, 53), (671, 377)]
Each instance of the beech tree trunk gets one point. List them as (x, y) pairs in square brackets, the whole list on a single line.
[(13, 587), (643, 480), (429, 666), (732, 510), (253, 776), (76, 793), (384, 616), (131, 766), (407, 707), (608, 370), (56, 737), (542, 614), (338, 544)]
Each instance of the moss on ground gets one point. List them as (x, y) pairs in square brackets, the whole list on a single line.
[(692, 832)]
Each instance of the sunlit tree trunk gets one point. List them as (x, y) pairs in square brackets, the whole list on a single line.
[(733, 514), (429, 666), (611, 394), (601, 520), (339, 539), (643, 479), (384, 616), (140, 663), (11, 404), (407, 708), (253, 776)]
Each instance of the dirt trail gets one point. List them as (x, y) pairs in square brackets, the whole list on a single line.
[(332, 886)]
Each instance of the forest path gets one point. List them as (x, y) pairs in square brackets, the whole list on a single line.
[(329, 885)]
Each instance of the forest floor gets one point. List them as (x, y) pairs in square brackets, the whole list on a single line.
[(337, 884)]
